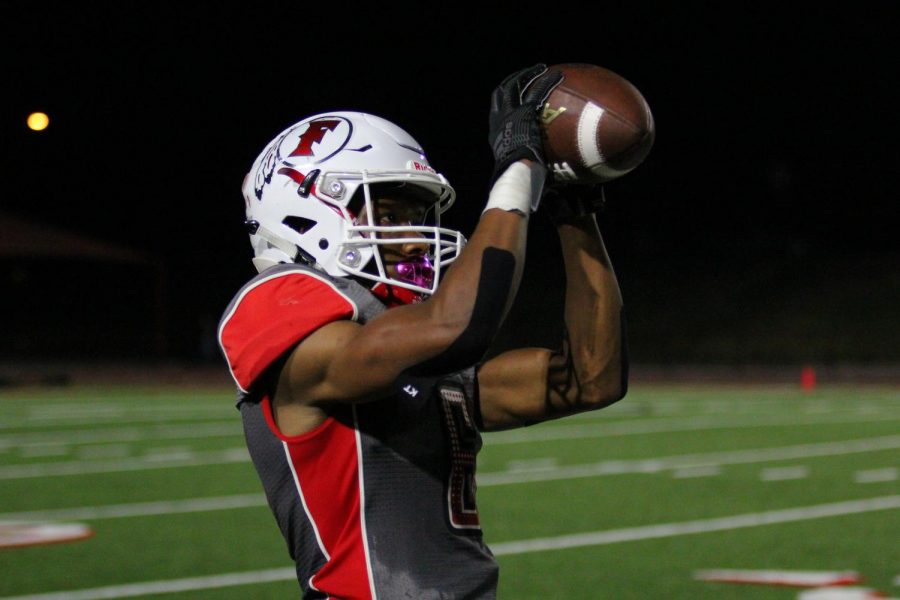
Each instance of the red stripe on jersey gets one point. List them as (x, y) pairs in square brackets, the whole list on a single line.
[(326, 464), (274, 315)]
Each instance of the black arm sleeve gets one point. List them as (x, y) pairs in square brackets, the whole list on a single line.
[(494, 282)]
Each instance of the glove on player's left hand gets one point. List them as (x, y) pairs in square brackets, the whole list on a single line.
[(562, 202), (514, 128)]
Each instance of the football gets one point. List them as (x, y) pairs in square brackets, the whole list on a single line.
[(597, 126)]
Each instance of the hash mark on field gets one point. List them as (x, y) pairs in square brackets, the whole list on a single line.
[(784, 473), (876, 475), (48, 450), (104, 451), (692, 472), (173, 453), (535, 464)]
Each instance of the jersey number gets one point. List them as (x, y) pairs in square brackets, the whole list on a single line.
[(464, 441)]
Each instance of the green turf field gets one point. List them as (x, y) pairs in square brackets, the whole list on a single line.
[(628, 502)]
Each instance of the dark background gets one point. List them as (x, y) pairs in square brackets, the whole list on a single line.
[(760, 229)]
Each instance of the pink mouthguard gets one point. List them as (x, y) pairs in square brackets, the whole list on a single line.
[(417, 271)]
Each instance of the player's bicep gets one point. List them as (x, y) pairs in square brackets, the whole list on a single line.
[(315, 372), (513, 388), (348, 362)]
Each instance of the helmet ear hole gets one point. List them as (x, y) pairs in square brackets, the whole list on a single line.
[(299, 224)]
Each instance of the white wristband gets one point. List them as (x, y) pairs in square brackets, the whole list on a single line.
[(518, 188)]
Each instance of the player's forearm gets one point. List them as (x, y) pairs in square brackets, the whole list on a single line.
[(477, 291), (497, 232), (482, 284), (593, 317)]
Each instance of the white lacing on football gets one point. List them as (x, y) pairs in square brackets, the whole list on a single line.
[(588, 122)]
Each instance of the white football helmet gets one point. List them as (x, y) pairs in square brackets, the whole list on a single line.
[(306, 191)]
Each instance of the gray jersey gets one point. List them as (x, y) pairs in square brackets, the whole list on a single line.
[(378, 501)]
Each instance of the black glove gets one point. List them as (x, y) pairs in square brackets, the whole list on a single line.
[(561, 202), (514, 129)]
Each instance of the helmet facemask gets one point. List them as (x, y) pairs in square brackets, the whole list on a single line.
[(399, 223)]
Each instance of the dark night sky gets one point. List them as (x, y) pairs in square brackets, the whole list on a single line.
[(775, 126)]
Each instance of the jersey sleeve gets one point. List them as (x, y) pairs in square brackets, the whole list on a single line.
[(271, 315)]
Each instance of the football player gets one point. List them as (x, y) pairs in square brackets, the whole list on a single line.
[(362, 384)]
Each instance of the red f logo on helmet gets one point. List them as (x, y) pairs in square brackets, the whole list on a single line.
[(313, 134)]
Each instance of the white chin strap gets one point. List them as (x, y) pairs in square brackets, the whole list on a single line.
[(279, 251), (265, 262)]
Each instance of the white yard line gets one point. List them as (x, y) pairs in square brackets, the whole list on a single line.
[(784, 473), (563, 542), (138, 509), (98, 451), (744, 406), (42, 405), (647, 532), (112, 417), (227, 428), (193, 459), (520, 475), (695, 465), (45, 451), (778, 577), (685, 461), (170, 586), (152, 429), (877, 475), (552, 433)]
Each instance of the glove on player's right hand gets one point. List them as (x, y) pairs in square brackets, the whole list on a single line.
[(514, 126)]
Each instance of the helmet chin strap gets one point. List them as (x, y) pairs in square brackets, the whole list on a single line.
[(280, 250), (265, 262)]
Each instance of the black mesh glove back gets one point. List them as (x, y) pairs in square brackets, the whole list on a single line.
[(514, 127)]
